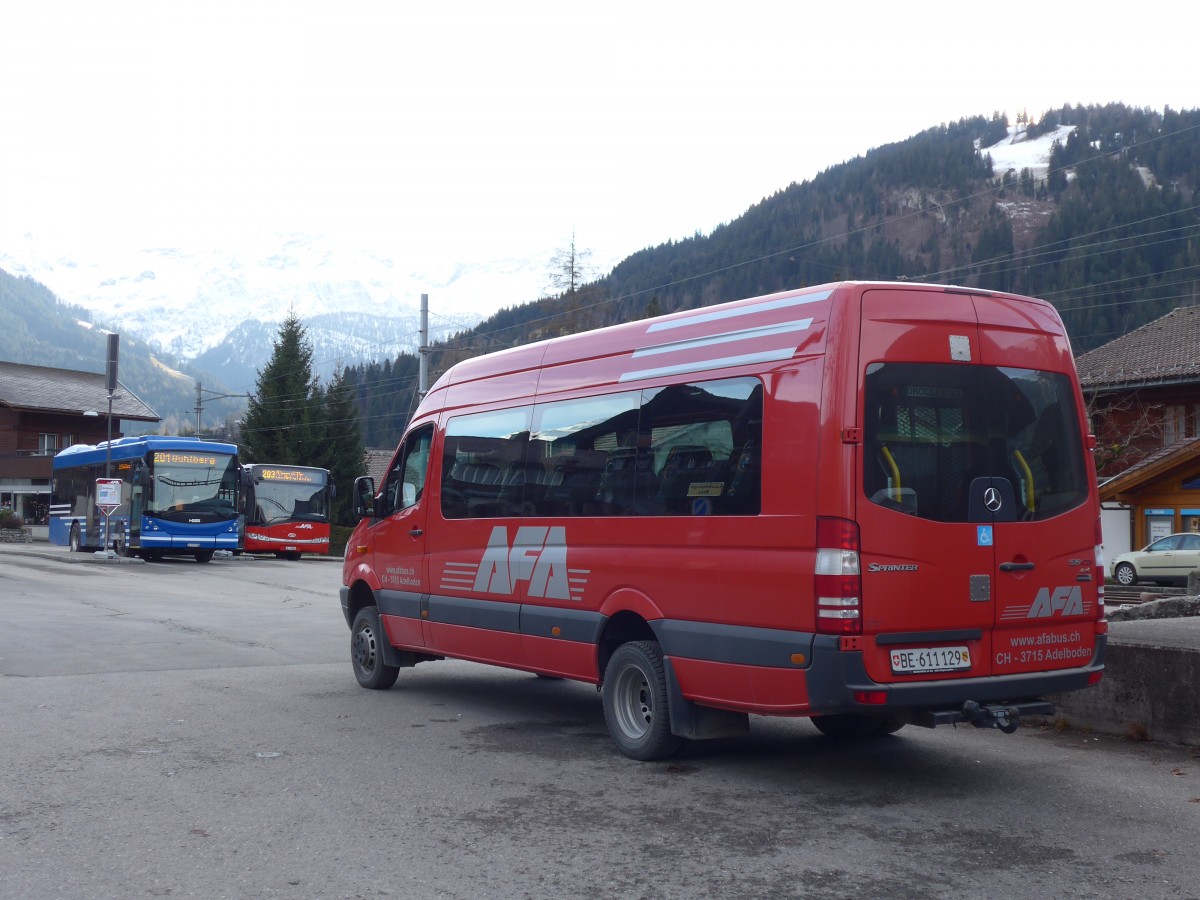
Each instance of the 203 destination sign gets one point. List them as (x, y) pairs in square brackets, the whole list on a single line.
[(927, 660)]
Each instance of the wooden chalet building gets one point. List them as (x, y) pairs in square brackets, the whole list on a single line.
[(43, 410), (1143, 396)]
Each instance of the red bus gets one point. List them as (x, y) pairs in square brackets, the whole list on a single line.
[(872, 504), (286, 510)]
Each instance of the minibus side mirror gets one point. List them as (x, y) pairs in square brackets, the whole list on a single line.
[(364, 496)]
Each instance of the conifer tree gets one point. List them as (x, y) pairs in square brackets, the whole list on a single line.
[(277, 427), (340, 448)]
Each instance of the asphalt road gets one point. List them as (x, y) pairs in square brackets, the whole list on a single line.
[(186, 730)]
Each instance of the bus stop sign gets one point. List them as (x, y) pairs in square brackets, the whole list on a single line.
[(108, 494)]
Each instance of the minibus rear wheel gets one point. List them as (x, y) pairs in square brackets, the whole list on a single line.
[(366, 652), (635, 702)]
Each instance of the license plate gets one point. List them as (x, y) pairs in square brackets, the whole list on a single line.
[(925, 660)]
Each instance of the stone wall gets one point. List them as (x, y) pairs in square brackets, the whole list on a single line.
[(1147, 693)]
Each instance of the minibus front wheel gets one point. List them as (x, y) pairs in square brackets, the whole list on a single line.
[(635, 702), (366, 652)]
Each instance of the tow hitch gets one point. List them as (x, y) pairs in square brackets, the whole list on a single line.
[(1006, 718)]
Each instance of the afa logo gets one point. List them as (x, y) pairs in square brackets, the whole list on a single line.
[(1066, 601), (538, 555)]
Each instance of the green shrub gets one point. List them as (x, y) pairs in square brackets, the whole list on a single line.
[(9, 519), (338, 535)]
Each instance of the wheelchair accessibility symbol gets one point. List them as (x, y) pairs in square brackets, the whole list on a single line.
[(984, 534)]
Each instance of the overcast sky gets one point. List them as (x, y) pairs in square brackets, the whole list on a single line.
[(474, 129)]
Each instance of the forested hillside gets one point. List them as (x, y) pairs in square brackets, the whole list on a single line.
[(1111, 236)]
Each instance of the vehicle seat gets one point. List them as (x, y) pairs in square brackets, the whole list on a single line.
[(744, 496), (685, 465)]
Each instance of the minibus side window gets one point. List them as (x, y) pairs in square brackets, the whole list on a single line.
[(584, 455), (481, 458), (706, 441), (681, 450), (406, 481)]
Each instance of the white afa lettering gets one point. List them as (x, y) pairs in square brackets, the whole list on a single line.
[(1065, 600), (538, 555)]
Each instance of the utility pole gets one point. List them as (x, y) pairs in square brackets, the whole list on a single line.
[(215, 396), (423, 350)]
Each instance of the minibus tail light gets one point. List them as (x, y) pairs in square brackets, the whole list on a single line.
[(1100, 570), (837, 577)]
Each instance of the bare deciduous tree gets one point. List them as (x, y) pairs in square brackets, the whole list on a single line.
[(1127, 430), (570, 269)]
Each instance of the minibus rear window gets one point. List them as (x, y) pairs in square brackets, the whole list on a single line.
[(930, 430)]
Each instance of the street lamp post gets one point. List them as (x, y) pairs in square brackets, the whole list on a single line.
[(108, 445)]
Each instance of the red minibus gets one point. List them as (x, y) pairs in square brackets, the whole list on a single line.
[(872, 504)]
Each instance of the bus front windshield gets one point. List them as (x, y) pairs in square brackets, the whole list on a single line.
[(192, 483), (289, 501)]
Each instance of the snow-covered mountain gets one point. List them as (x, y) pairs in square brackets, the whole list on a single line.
[(221, 306)]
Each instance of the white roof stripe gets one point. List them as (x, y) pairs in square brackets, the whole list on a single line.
[(701, 365), (784, 303), (745, 334)]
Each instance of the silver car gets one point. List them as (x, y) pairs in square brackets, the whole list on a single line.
[(1168, 559)]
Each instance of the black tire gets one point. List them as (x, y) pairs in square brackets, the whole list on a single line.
[(1125, 574), (851, 726), (366, 652), (204, 556), (635, 702), (75, 542), (293, 556)]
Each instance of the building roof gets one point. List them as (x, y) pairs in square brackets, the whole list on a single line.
[(1154, 466), (375, 462), (41, 389), (1165, 351)]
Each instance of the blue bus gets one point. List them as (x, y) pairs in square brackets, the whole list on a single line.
[(179, 496)]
